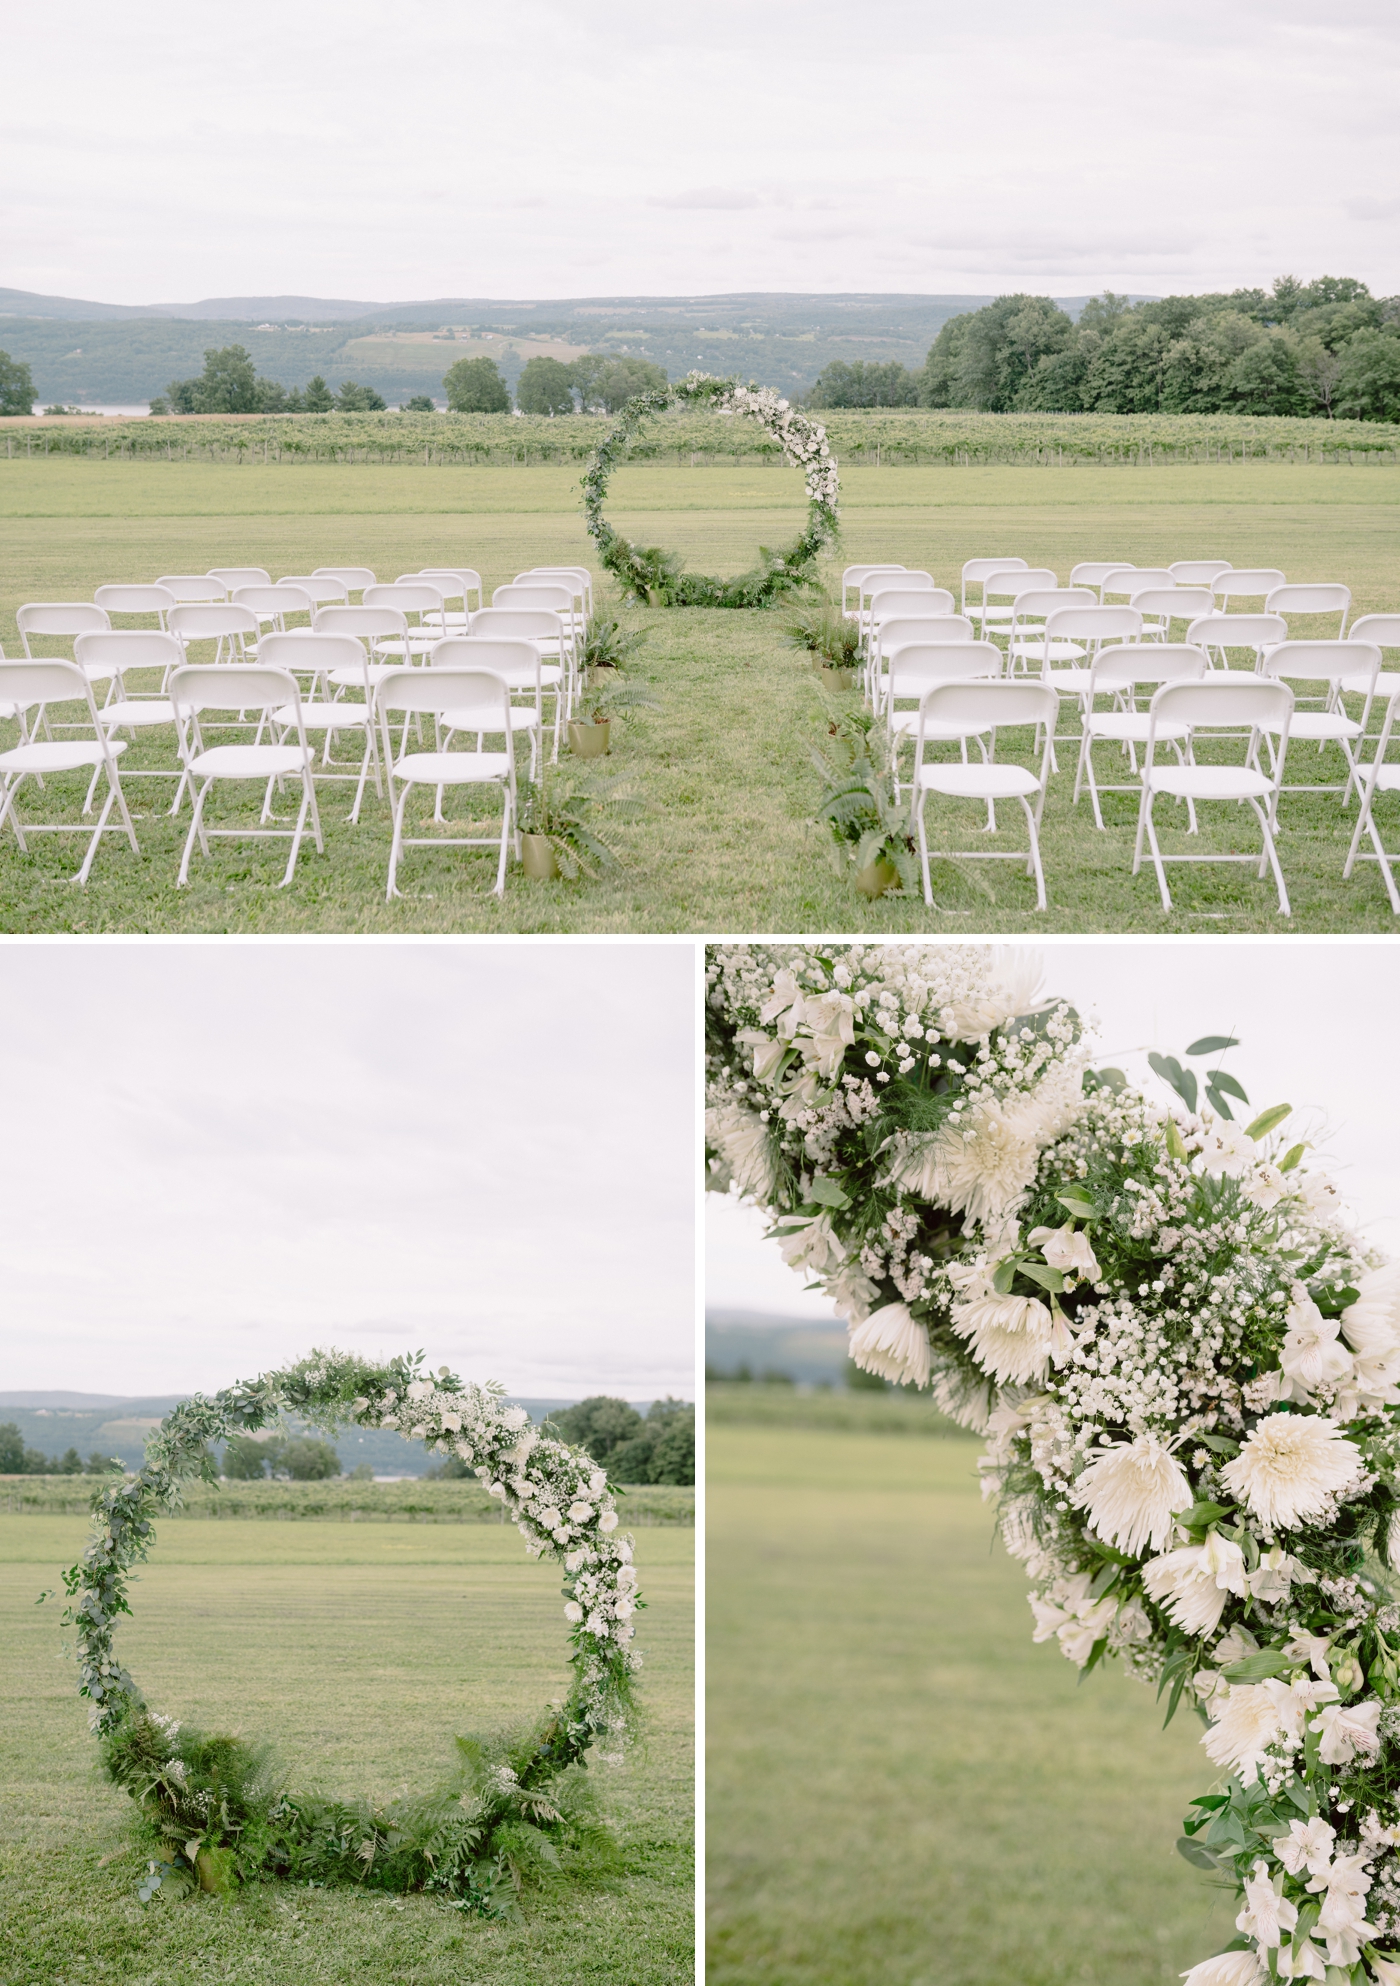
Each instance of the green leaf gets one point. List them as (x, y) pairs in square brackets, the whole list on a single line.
[(1219, 1080), (1198, 1856), (1266, 1120), (1049, 1279), (1212, 1800), (1004, 1275), (1291, 1157), (1176, 1145), (1212, 1044), (1218, 1103), (1218, 1444), (1107, 1576), (1200, 1515), (1181, 1080), (1109, 1079), (827, 1193), (1258, 1668), (1079, 1202)]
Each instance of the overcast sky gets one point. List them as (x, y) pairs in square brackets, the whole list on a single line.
[(1316, 1025), (363, 149), (217, 1156)]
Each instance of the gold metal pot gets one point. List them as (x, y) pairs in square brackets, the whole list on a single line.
[(588, 741), (537, 857), (876, 877)]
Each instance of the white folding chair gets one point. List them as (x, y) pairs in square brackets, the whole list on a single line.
[(856, 576), (242, 686), (193, 588), (1161, 605), (518, 665), (1093, 572), (1384, 631), (1216, 703), (472, 700), (996, 705), (329, 658), (1126, 580), (384, 632), (322, 589), (234, 576), (459, 581), (271, 605), (421, 604), (1198, 572), (1326, 662), (914, 669), (1376, 777), (125, 650), (541, 626), (1218, 633), (1246, 583), (976, 572), (576, 575), (893, 634), (1026, 638), (1003, 588), (557, 597), (1119, 672), (35, 684), (157, 600), (890, 603), (63, 620), (1084, 630), (354, 578), (229, 628), (1322, 599)]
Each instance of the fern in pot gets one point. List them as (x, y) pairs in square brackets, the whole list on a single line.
[(563, 819), (590, 733), (871, 840), (817, 626)]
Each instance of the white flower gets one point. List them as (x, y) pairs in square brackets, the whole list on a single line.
[(1348, 1729), (1275, 1574), (1265, 1186), (741, 1137), (608, 1521), (851, 1293), (984, 1159), (1012, 1337), (579, 1513), (1066, 1248), (452, 1423), (1371, 1325), (1192, 1583), (893, 1344), (1225, 1149), (1229, 1969), (1133, 1493), (1305, 1961), (573, 1611), (1387, 1970), (1077, 1637), (1311, 1355), (549, 1518), (1307, 1845), (1014, 990), (767, 1052), (1321, 1197), (419, 1389), (1267, 1912), (1290, 1465), (811, 1246), (1247, 1725)]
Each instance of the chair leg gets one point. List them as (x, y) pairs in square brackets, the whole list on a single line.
[(307, 790), (1157, 861), (91, 855), (396, 843), (196, 830), (1033, 864), (921, 801), (500, 888), (1271, 854), (9, 809)]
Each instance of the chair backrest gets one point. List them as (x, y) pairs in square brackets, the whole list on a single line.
[(1094, 624), (1304, 599), (365, 623), (354, 578), (472, 695), (856, 576), (1001, 702), (134, 599), (1049, 600), (1095, 571), (1174, 603), (417, 596), (1131, 579), (211, 623), (937, 661), (1197, 572), (1383, 629), (1228, 700), (193, 586), (46, 679), (577, 577), (508, 656), (1009, 582), (129, 648), (924, 627), (535, 624), (272, 599), (1253, 583), (1217, 630), (234, 576), (1123, 665), (976, 570), (322, 587), (59, 617), (892, 601), (311, 651), (1320, 661), (555, 599), (457, 581), (232, 686)]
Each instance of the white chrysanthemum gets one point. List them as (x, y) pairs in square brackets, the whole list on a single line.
[(1289, 1467), (1371, 1325), (1193, 1583), (1247, 1725), (963, 1400), (1133, 1493), (984, 1159), (894, 1344), (741, 1138), (1012, 1337), (1013, 989), (1229, 1969)]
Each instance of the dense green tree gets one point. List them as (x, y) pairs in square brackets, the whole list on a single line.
[(245, 1460), (98, 1464), (475, 386), (985, 357), (608, 380), (598, 1424), (356, 399), (865, 383), (229, 384), (1368, 388), (16, 386), (661, 1449), (421, 403), (70, 1463), (11, 1449), (1264, 378), (316, 396), (546, 386), (307, 1461)]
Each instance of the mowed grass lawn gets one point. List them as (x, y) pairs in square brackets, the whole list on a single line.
[(724, 766), (361, 1650), (903, 1790)]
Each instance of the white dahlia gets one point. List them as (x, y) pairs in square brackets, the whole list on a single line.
[(1371, 1325), (1229, 1969), (1247, 1725), (1289, 1467), (1012, 1337), (1133, 1493), (1013, 988), (741, 1138), (894, 1344), (1192, 1584)]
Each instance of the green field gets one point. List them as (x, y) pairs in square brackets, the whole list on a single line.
[(361, 1651), (723, 765), (339, 1499), (903, 1790)]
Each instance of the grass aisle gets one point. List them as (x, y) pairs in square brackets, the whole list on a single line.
[(361, 1651), (903, 1790), (724, 765)]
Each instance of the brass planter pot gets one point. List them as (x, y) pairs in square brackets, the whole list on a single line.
[(537, 857), (838, 679), (877, 877), (588, 741)]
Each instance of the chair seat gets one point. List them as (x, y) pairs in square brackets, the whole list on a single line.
[(524, 679), (989, 613), (325, 716), (979, 782), (1068, 682), (1131, 726), (418, 644), (1060, 651), (1388, 779), (138, 715), (43, 757), (354, 679), (907, 722), (1318, 725), (1387, 685), (520, 720), (1209, 782), (452, 768), (249, 761)]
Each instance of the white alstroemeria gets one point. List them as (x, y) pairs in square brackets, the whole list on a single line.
[(1008, 1419), (1302, 1961), (1289, 1467), (831, 1017), (1225, 1150), (1131, 1627), (1267, 1912), (852, 1293), (1090, 1625), (893, 1343), (1320, 1197), (1385, 1970), (811, 1246), (1307, 1845), (1066, 1248), (784, 1004), (1371, 1325), (1229, 1969), (1234, 1646), (1193, 1583), (1247, 1724), (1312, 1354), (768, 1052), (1348, 1731), (1342, 1918), (1133, 1494), (1275, 1575), (1013, 1337), (1265, 1186), (1312, 1649)]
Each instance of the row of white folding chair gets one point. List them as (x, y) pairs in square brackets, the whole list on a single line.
[(1378, 777), (887, 592), (855, 576)]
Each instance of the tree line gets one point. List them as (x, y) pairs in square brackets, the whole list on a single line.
[(1326, 348)]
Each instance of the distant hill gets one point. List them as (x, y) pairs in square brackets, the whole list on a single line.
[(95, 354), (764, 1342)]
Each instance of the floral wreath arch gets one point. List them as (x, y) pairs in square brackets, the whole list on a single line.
[(467, 1837), (1186, 1364), (654, 576)]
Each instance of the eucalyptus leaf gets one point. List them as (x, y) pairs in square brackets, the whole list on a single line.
[(1212, 1044), (1259, 1668), (1196, 1854), (827, 1193)]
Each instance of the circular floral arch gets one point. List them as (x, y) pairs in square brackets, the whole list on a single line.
[(654, 576), (205, 1797)]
